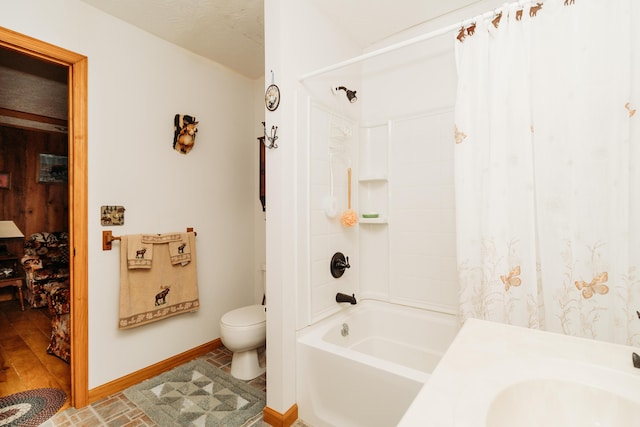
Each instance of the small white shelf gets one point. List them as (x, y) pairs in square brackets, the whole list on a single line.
[(381, 220), (373, 178)]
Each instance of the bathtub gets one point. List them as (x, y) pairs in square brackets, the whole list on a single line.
[(364, 365)]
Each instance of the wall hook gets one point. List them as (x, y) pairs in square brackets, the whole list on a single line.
[(271, 138)]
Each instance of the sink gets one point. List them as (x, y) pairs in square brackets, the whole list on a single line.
[(561, 403), (496, 375)]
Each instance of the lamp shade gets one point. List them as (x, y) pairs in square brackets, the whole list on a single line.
[(9, 230)]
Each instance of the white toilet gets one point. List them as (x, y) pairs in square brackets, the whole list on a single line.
[(243, 331)]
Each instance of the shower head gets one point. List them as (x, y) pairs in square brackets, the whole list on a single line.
[(351, 94)]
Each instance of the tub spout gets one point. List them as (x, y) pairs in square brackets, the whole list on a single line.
[(351, 299)]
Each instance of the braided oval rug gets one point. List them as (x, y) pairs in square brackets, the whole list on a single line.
[(30, 408)]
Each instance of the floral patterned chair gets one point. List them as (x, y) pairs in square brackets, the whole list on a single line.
[(58, 301), (46, 266), (46, 263)]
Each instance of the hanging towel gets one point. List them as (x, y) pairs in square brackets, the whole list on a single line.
[(164, 290), (180, 250), (162, 238), (139, 253)]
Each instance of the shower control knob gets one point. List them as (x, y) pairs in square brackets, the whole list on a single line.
[(339, 263)]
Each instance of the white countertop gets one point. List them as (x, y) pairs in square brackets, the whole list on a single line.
[(486, 358)]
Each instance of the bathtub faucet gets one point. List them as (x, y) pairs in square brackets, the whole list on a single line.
[(351, 299)]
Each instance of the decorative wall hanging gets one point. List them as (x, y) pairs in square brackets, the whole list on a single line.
[(185, 128), (52, 169), (271, 138), (112, 215), (272, 96)]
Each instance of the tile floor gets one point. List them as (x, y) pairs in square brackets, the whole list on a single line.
[(118, 411)]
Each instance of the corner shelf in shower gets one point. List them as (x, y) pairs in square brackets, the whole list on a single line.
[(373, 190), (373, 178), (374, 181), (381, 220)]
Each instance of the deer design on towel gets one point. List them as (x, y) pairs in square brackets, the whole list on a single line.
[(181, 248), (140, 253), (162, 296)]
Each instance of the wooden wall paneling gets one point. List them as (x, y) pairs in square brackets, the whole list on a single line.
[(33, 206), (32, 211)]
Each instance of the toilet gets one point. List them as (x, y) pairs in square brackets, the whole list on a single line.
[(243, 331)]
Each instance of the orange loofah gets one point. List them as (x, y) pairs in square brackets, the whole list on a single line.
[(349, 217)]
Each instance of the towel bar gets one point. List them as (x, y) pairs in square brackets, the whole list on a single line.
[(108, 237)]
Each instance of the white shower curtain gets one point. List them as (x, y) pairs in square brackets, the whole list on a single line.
[(546, 174)]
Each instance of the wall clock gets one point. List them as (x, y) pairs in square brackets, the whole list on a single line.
[(272, 97)]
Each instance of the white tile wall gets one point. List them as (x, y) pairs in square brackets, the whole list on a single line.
[(404, 135), (421, 230), (327, 235)]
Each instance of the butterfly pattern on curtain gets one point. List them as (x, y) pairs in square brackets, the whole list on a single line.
[(546, 168)]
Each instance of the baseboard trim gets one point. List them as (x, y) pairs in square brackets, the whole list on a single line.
[(276, 419), (116, 386)]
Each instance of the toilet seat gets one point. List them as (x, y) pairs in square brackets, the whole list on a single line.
[(245, 316)]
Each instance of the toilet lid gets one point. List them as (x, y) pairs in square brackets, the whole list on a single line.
[(245, 316)]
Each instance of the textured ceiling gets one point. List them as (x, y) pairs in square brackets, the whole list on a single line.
[(231, 32)]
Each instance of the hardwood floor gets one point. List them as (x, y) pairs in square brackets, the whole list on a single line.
[(24, 337)]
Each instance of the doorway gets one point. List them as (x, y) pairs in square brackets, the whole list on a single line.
[(77, 66)]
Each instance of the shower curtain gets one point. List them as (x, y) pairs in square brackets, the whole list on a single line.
[(546, 168)]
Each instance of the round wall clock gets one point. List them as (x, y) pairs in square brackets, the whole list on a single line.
[(272, 97)]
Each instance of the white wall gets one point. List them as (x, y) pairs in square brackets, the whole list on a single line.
[(297, 40), (137, 83), (259, 217)]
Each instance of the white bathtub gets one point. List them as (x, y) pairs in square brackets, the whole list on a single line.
[(369, 377)]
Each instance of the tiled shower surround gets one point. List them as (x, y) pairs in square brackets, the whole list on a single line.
[(403, 171)]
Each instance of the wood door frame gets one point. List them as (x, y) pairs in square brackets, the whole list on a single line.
[(78, 237)]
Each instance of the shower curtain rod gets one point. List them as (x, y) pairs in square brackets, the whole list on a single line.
[(396, 46)]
